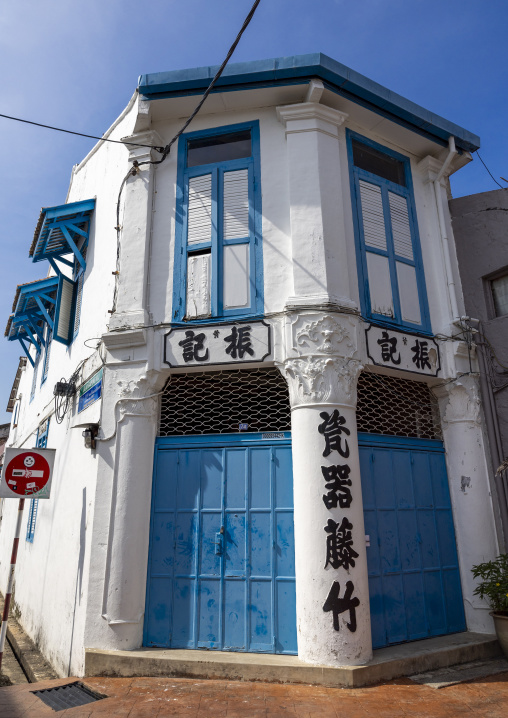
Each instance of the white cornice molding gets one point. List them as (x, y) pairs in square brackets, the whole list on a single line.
[(146, 137), (311, 117)]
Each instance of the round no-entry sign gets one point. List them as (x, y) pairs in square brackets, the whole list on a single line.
[(27, 473)]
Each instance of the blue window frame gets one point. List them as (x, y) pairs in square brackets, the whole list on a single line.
[(41, 443), (390, 266), (218, 254)]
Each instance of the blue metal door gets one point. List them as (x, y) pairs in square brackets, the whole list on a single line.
[(221, 564), (414, 580)]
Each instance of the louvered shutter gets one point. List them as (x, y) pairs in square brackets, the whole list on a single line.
[(374, 231), (199, 210), (386, 232), (236, 204), (236, 264), (63, 324), (47, 355), (374, 235), (401, 229)]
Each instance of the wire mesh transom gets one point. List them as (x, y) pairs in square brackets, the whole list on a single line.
[(217, 402)]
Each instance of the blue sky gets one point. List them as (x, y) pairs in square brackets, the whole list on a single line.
[(75, 64)]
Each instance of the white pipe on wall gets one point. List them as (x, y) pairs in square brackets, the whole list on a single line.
[(452, 151)]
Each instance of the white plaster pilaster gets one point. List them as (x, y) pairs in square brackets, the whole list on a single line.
[(318, 237), (469, 490), (322, 370), (122, 509), (135, 227)]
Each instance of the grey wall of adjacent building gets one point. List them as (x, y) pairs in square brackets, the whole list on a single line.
[(480, 225)]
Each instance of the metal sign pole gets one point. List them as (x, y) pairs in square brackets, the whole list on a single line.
[(3, 629)]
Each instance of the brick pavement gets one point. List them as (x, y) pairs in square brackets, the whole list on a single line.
[(187, 698)]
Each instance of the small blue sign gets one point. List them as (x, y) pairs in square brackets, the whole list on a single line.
[(243, 427), (90, 391)]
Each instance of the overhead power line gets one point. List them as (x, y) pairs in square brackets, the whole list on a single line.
[(80, 134), (166, 150), (490, 173)]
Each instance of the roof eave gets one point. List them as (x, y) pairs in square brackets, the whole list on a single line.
[(301, 68)]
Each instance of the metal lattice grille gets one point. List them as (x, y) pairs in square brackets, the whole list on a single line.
[(217, 402), (397, 407)]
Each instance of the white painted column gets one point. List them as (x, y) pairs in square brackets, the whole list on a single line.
[(119, 552), (135, 234), (469, 489), (319, 251), (332, 593)]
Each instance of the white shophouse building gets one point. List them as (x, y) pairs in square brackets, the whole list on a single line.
[(290, 457)]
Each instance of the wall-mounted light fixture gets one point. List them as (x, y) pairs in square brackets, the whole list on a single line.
[(89, 435)]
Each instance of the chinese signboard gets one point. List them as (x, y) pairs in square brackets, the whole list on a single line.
[(400, 350), (90, 391), (27, 473), (237, 343)]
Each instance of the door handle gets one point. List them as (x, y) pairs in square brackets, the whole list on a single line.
[(218, 543)]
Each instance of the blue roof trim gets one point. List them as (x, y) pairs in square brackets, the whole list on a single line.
[(291, 70)]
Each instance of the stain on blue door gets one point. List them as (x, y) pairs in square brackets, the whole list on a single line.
[(221, 564), (414, 580)]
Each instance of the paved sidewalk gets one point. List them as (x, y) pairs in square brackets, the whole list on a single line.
[(161, 698), (11, 667)]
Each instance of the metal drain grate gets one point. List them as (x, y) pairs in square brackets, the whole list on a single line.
[(397, 407), (216, 402), (69, 696)]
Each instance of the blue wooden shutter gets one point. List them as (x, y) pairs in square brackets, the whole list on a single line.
[(395, 285)]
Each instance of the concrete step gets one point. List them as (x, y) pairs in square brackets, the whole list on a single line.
[(403, 660)]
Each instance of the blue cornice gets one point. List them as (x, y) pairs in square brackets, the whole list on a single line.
[(301, 68)]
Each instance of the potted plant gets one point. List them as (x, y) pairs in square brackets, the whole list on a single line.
[(494, 587)]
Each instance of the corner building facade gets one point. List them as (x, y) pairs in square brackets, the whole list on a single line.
[(285, 398)]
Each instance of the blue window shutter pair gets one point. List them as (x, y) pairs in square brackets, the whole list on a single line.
[(41, 443), (390, 267), (218, 260)]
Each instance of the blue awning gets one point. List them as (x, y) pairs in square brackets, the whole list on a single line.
[(46, 301), (60, 231)]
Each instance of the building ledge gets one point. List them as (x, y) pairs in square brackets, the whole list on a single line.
[(403, 660)]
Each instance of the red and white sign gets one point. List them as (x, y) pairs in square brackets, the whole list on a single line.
[(27, 473)]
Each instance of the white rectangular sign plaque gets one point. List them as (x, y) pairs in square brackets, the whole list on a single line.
[(200, 345), (403, 351), (27, 473)]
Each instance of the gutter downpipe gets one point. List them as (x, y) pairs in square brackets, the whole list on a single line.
[(452, 151), (493, 435)]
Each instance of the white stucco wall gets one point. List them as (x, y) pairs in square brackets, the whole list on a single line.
[(82, 582), (51, 583)]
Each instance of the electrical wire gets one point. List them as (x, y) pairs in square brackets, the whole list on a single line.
[(166, 150), (210, 87), (80, 134), (490, 173)]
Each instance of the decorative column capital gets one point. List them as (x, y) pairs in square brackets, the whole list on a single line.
[(460, 401), (311, 116), (145, 137), (321, 366)]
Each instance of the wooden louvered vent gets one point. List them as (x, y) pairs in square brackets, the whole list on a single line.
[(200, 210)]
